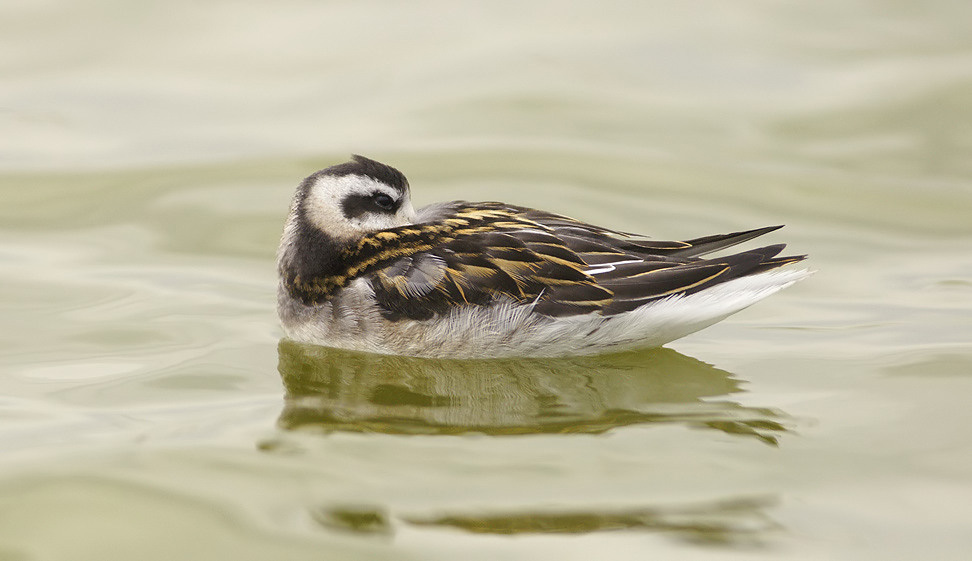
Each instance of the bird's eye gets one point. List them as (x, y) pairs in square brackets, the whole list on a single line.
[(383, 201)]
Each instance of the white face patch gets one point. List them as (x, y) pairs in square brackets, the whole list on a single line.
[(324, 206)]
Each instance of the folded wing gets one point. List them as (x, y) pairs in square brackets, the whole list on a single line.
[(562, 266)]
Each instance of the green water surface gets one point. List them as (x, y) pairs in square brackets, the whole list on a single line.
[(150, 410)]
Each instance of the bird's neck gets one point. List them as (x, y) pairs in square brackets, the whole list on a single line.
[(311, 256)]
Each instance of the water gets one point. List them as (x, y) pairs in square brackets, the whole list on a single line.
[(148, 408)]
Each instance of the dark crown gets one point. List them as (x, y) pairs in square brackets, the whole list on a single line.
[(359, 165)]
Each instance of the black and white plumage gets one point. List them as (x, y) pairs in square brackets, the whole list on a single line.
[(360, 269)]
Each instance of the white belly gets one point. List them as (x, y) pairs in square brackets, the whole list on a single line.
[(507, 329)]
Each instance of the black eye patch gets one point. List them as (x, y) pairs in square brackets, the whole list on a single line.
[(354, 206)]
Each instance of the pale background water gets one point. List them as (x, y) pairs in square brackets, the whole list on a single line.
[(147, 157)]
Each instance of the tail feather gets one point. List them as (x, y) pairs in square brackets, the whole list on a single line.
[(708, 244)]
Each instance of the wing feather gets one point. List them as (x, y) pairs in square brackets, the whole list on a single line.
[(472, 254)]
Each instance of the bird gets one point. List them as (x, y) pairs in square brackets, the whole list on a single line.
[(360, 269)]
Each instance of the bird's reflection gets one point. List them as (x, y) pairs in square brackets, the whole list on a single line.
[(332, 389), (733, 521)]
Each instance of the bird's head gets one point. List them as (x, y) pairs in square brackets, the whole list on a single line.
[(350, 200)]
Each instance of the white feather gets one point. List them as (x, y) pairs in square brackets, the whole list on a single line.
[(508, 329), (608, 267)]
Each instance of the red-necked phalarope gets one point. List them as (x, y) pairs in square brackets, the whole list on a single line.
[(361, 269)]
